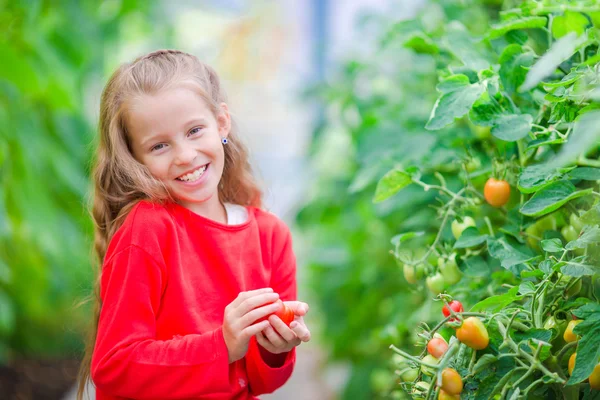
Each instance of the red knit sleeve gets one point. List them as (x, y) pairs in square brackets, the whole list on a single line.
[(264, 377), (128, 360)]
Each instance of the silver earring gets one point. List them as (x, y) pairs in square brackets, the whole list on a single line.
[(224, 140)]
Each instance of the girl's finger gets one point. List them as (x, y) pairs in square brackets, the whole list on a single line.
[(301, 331), (258, 313), (255, 301), (274, 337), (260, 338), (281, 328), (252, 330), (298, 307), (244, 295)]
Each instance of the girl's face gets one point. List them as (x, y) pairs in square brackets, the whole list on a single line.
[(177, 137)]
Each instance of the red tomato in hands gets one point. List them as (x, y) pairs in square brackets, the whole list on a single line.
[(496, 192), (455, 306), (284, 313)]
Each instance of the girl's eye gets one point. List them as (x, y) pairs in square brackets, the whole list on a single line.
[(195, 131), (157, 147)]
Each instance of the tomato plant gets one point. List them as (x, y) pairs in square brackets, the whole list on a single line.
[(516, 99)]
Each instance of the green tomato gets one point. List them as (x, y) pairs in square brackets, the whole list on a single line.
[(413, 273), (458, 227), (449, 269), (436, 283), (410, 375), (569, 233), (429, 359), (473, 164), (547, 223), (576, 222), (532, 230), (420, 390)]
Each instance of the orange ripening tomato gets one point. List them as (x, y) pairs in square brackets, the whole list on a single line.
[(451, 381), (284, 313), (569, 336), (445, 396), (595, 377), (437, 347), (496, 192), (473, 333), (571, 366)]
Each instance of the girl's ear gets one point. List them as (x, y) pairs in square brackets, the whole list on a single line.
[(224, 120)]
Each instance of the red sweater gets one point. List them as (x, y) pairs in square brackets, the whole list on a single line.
[(167, 276)]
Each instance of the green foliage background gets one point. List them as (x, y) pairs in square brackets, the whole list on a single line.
[(55, 56)]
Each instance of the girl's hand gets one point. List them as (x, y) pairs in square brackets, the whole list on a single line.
[(239, 318), (278, 338)]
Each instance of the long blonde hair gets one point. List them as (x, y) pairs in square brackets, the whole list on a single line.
[(120, 181)]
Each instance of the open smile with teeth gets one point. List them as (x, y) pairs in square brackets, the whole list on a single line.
[(193, 176)]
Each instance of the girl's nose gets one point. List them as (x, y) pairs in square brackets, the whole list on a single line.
[(185, 155)]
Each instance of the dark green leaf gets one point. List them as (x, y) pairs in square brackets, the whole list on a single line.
[(470, 238), (551, 198), (536, 177), (588, 348), (552, 245), (512, 127), (457, 98), (514, 63), (577, 269), (585, 173)]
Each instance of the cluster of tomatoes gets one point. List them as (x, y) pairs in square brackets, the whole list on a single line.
[(497, 194), (471, 332)]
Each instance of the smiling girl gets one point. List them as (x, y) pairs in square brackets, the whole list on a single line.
[(190, 263)]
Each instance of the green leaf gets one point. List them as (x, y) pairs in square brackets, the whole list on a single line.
[(421, 43), (391, 183), (514, 63), (588, 347), (498, 302), (577, 269), (512, 127), (536, 177), (551, 198), (589, 236), (585, 173), (508, 254), (514, 24), (457, 98), (560, 51), (476, 267), (526, 288), (569, 22), (403, 237), (470, 238), (552, 245)]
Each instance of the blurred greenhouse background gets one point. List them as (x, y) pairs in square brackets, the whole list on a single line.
[(56, 57), (328, 94)]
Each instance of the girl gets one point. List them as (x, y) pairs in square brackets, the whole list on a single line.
[(192, 267)]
